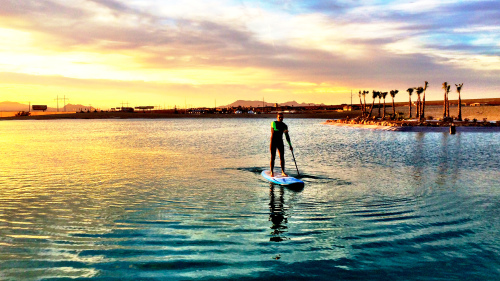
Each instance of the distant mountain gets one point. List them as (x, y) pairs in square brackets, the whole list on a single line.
[(246, 103), (15, 106)]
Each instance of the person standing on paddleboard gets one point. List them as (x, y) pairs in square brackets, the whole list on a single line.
[(278, 128)]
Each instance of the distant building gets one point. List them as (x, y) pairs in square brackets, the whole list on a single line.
[(127, 109), (477, 104), (149, 107), (350, 107), (39, 107)]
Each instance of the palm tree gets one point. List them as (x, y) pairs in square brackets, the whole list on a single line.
[(393, 95), (379, 98), (417, 109), (364, 97), (459, 88), (384, 94), (423, 101), (446, 89), (448, 101), (419, 91), (410, 92), (361, 104), (374, 96)]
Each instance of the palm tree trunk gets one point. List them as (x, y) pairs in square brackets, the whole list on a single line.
[(361, 105), (364, 108), (459, 107), (379, 108), (422, 115), (383, 115), (409, 108), (393, 109), (371, 109), (444, 106), (417, 106), (447, 105)]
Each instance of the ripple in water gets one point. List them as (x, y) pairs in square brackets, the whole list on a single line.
[(184, 200)]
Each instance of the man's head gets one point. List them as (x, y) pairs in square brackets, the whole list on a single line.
[(279, 116)]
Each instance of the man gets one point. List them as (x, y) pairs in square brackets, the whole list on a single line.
[(277, 130)]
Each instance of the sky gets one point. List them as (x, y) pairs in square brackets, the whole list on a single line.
[(205, 53)]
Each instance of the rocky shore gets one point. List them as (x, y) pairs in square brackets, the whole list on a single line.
[(418, 126), (476, 120)]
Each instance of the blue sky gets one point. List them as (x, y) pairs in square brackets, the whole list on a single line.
[(154, 52)]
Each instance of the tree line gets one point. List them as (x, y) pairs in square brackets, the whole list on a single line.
[(420, 102)]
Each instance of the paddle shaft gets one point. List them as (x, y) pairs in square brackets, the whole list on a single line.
[(295, 162)]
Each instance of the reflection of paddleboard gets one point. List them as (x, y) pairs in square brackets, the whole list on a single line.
[(281, 180)]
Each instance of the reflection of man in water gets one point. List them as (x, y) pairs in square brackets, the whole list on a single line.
[(277, 130), (277, 215)]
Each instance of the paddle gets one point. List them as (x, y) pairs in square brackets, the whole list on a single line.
[(295, 162)]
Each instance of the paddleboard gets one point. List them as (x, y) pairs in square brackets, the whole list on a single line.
[(281, 180)]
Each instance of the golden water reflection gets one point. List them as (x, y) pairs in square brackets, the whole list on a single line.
[(176, 200)]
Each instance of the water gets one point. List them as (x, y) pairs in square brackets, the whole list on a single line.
[(183, 199)]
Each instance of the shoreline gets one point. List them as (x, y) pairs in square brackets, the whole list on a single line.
[(416, 128), (343, 118), (154, 115), (475, 120)]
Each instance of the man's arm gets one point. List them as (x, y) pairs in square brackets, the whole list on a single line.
[(288, 139), (274, 126)]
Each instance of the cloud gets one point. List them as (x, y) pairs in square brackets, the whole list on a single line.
[(251, 45), (39, 9), (330, 7), (114, 5)]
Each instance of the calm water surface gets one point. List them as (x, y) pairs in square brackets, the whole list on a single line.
[(183, 199)]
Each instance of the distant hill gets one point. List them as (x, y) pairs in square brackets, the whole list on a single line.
[(77, 107), (13, 106), (16, 106), (256, 103)]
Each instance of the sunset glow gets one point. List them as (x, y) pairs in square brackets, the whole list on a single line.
[(171, 53)]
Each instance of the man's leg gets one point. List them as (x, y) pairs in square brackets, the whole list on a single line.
[(281, 151), (272, 148)]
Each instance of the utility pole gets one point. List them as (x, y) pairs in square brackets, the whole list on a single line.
[(64, 101), (126, 103), (351, 98), (57, 100)]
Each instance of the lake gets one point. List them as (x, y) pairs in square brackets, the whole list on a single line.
[(183, 199)]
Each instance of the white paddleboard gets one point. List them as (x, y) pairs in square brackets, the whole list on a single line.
[(281, 180)]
